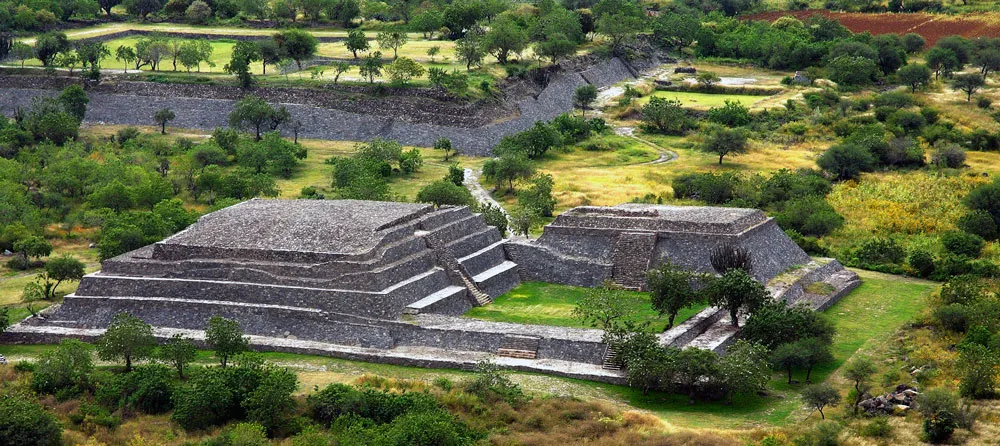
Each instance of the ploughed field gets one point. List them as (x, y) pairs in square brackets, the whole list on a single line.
[(931, 26)]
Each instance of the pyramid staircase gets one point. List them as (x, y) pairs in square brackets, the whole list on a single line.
[(518, 346)]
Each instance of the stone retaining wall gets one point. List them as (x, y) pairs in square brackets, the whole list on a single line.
[(332, 124)]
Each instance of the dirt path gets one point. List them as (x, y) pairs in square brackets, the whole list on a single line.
[(666, 156), (479, 192)]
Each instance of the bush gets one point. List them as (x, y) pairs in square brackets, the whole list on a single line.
[(895, 99), (940, 427), (810, 216), (877, 428), (810, 245), (707, 187), (381, 407), (965, 289), (846, 161), (954, 317), (879, 251), (26, 423), (983, 102), (922, 262), (491, 382), (148, 389), (948, 155), (64, 371), (962, 243), (979, 222), (445, 192)]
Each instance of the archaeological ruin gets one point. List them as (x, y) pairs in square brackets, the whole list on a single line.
[(389, 282)]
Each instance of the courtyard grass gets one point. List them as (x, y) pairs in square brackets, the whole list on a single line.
[(696, 100), (541, 303)]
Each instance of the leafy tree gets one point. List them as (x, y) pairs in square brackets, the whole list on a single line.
[(444, 144), (371, 66), (978, 366), (403, 69), (979, 222), (505, 37), (433, 51), (820, 396), (244, 53), (32, 246), (61, 269), (665, 116), (913, 42), (811, 216), (607, 306), (671, 289), (444, 192), (732, 114), (776, 323), (723, 141), (744, 369), (707, 79), (891, 55), (297, 44), (787, 357), (162, 116), (969, 83), (339, 68), (859, 371), (942, 61), (356, 41), (391, 40), (817, 352), (736, 290), (985, 198), (427, 22), (225, 336), (142, 8), (508, 169), (252, 112), (24, 422), (91, 54), (22, 52), (846, 161), (271, 404), (106, 5), (178, 352), (126, 55), (694, 366), (987, 59), (584, 96), (198, 12), (558, 47), (128, 338), (538, 195), (853, 70), (471, 50), (914, 75), (620, 28), (48, 45), (74, 100), (494, 216)]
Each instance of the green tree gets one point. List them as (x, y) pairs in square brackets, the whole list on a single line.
[(371, 66), (744, 369), (969, 83), (817, 352), (470, 49), (978, 366), (162, 117), (65, 370), (505, 37), (22, 52), (433, 51), (126, 55), (619, 28), (74, 100), (985, 198), (32, 246), (607, 306), (736, 290), (298, 45), (48, 45), (507, 169), (522, 220), (776, 323), (787, 357), (732, 114), (859, 371), (254, 113), (538, 195), (225, 336), (244, 53), (724, 141), (707, 79), (914, 75), (443, 192), (942, 61), (403, 69), (178, 352), (61, 269), (271, 404), (356, 41), (339, 68), (584, 96), (852, 70), (671, 289), (127, 338), (820, 396), (391, 40), (665, 116), (444, 144)]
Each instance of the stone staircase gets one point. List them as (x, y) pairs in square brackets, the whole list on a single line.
[(631, 256), (517, 346), (611, 360)]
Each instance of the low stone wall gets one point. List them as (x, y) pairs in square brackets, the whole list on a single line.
[(540, 264)]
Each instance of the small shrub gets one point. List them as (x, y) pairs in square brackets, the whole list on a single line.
[(979, 222), (948, 155), (922, 262), (954, 317), (962, 243), (877, 428), (25, 422), (810, 216), (939, 428), (983, 102), (881, 251), (443, 383)]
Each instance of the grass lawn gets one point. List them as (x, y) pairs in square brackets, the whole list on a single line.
[(703, 100), (551, 304)]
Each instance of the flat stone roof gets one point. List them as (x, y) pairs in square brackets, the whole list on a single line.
[(659, 218), (318, 226)]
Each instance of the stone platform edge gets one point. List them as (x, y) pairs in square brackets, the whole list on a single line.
[(424, 357)]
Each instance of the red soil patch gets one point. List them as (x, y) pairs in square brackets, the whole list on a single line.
[(931, 26)]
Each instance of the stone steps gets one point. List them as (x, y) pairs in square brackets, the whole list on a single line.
[(436, 302), (610, 360), (631, 256), (484, 259), (516, 346), (498, 279)]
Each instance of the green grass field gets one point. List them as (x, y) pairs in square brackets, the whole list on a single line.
[(703, 100), (551, 304)]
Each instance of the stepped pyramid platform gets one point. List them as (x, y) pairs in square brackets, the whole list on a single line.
[(390, 282)]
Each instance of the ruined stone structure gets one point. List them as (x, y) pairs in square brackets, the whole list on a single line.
[(389, 281)]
